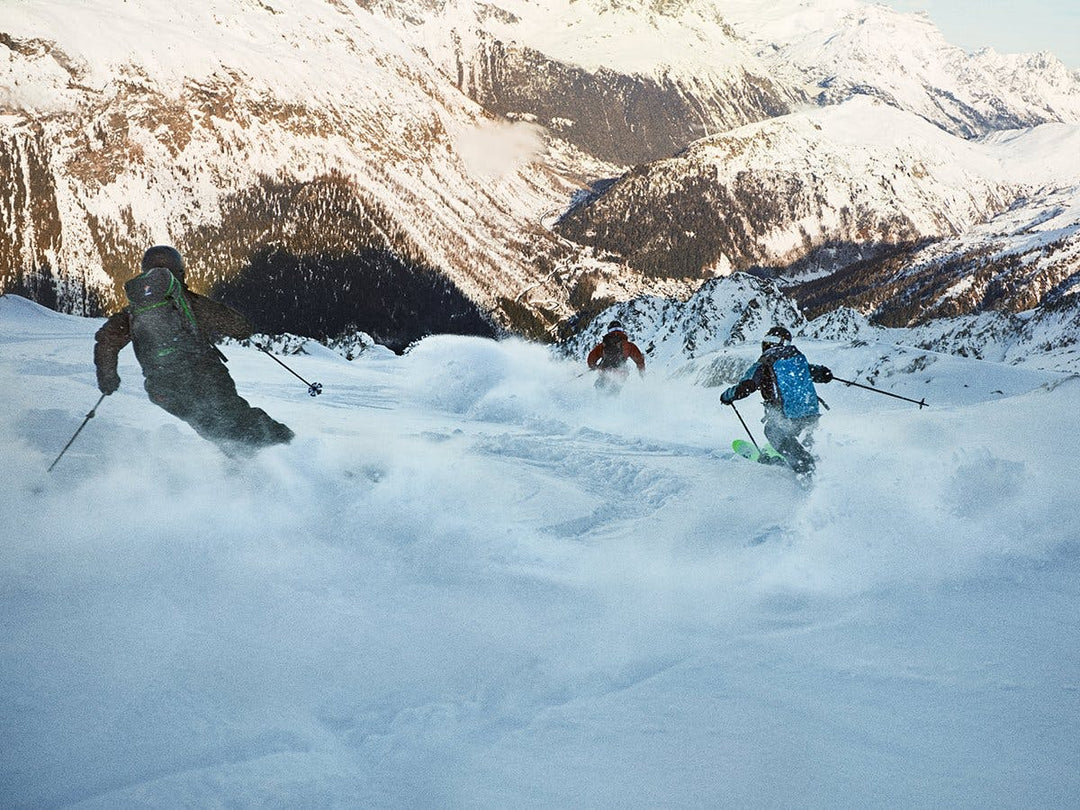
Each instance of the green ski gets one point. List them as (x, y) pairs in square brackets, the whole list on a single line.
[(766, 455)]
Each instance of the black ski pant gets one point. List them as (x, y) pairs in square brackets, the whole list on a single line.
[(203, 394), (790, 437)]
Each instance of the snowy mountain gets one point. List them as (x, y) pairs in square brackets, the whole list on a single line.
[(473, 582), (840, 48), (725, 63), (1016, 261), (859, 174), (239, 131), (853, 194), (396, 167), (593, 72), (737, 310)]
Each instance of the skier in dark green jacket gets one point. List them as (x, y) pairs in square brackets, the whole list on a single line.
[(188, 377)]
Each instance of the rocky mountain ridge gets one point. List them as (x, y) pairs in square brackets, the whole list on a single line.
[(352, 143), (710, 336)]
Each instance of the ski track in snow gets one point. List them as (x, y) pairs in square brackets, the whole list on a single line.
[(474, 581)]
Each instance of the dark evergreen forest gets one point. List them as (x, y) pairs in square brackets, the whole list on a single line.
[(323, 296)]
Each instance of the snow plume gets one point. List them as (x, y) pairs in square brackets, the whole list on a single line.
[(494, 149), (471, 571)]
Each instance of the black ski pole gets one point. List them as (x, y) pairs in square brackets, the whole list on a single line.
[(920, 402), (89, 416), (748, 433), (314, 389)]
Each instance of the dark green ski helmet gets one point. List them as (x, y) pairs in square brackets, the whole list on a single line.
[(777, 336), (164, 256)]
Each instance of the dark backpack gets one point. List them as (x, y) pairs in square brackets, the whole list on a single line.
[(163, 328), (613, 356)]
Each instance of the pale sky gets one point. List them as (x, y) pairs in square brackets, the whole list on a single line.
[(1007, 26)]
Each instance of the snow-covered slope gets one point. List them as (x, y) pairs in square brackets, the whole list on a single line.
[(473, 582), (629, 82)]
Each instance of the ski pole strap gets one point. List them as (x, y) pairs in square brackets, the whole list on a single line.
[(920, 402), (71, 441)]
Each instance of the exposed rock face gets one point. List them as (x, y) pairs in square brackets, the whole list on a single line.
[(620, 118)]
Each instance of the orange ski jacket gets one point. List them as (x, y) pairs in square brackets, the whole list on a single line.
[(626, 351)]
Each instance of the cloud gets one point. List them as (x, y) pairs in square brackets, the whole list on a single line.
[(497, 148)]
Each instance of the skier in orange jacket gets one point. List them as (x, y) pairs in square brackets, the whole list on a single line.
[(609, 357)]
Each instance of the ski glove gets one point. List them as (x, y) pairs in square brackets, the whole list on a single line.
[(822, 374), (744, 389), (108, 385)]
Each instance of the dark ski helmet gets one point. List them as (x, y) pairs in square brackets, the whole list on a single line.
[(614, 325), (777, 336), (164, 256)]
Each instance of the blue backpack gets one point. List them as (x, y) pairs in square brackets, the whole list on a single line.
[(795, 392)]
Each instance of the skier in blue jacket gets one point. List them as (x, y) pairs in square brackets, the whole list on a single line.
[(786, 382)]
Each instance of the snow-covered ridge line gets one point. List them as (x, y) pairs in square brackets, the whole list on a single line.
[(1020, 261), (735, 311), (144, 121), (840, 47), (823, 51)]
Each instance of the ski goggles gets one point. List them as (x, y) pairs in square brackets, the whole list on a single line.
[(771, 340)]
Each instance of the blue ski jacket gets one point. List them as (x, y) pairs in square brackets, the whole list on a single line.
[(785, 380)]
